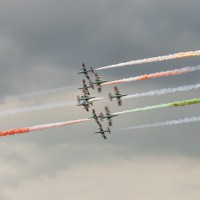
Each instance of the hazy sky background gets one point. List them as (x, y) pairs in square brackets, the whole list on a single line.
[(42, 46)]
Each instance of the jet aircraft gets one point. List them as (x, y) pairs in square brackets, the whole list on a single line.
[(95, 117), (85, 87), (85, 71), (102, 132), (108, 116), (85, 101), (98, 82), (117, 95)]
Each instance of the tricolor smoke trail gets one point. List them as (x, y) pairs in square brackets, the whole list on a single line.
[(166, 105), (174, 72), (40, 127), (166, 123), (154, 59), (164, 91)]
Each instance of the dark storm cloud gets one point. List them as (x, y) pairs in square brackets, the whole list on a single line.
[(66, 33), (69, 30)]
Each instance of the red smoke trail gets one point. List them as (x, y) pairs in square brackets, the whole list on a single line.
[(174, 72), (40, 127)]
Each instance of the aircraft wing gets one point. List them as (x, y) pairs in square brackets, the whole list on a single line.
[(103, 135), (119, 102)]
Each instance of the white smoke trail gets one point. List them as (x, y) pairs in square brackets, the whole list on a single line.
[(33, 94), (36, 108), (154, 59), (95, 99), (164, 91), (167, 123), (41, 107)]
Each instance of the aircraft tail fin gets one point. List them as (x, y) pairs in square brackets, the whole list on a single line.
[(92, 70), (110, 96), (101, 116), (91, 85)]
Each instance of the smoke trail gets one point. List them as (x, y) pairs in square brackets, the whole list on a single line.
[(166, 105), (155, 59), (36, 108), (164, 91), (23, 96), (40, 127), (41, 107), (174, 72), (96, 99), (167, 123)]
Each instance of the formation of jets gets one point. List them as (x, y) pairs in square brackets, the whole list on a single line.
[(86, 100)]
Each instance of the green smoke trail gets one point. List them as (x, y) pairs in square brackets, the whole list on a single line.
[(166, 105)]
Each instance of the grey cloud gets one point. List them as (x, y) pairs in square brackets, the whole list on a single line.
[(171, 177), (42, 45)]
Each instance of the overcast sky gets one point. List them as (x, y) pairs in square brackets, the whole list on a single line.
[(42, 46)]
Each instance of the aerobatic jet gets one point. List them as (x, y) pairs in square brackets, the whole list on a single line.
[(95, 117), (98, 82), (85, 104), (85, 101), (108, 116), (102, 132), (85, 71), (85, 88), (117, 95)]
